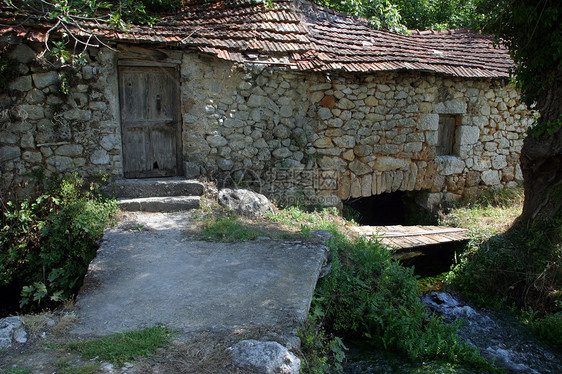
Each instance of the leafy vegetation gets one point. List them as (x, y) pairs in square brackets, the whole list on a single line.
[(322, 352), (122, 347), (369, 295), (47, 242), (517, 267)]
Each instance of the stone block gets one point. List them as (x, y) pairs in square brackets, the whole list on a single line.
[(61, 163), (32, 157), (23, 54), (429, 122), (328, 101), (449, 165), (100, 157), (345, 104), (385, 163), (69, 150), (9, 152), (345, 141), (42, 80), (22, 83), (499, 162), (451, 107), (323, 143), (467, 135), (282, 153), (324, 113), (491, 177), (32, 112), (363, 150), (8, 137), (359, 168), (216, 141), (78, 115), (413, 147), (366, 185), (225, 164)]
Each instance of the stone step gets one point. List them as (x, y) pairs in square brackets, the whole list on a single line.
[(165, 204), (155, 187)]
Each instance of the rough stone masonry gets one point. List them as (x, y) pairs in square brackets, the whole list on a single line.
[(321, 138)]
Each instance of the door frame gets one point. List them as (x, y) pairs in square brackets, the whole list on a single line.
[(121, 63)]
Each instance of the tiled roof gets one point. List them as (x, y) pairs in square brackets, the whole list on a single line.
[(298, 34)]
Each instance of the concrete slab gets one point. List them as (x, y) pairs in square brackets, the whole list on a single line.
[(155, 187), (166, 204), (154, 273)]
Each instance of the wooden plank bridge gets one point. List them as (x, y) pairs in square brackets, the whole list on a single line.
[(408, 237)]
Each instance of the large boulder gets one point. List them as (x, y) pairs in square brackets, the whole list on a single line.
[(264, 357), (244, 201)]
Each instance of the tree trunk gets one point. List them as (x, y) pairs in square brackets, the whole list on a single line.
[(541, 160)]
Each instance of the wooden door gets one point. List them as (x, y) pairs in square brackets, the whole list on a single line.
[(149, 121)]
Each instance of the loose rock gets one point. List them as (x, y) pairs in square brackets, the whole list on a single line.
[(244, 201), (264, 357)]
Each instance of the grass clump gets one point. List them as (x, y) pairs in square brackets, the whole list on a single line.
[(487, 214), (122, 347), (18, 370), (228, 229), (47, 242), (65, 368)]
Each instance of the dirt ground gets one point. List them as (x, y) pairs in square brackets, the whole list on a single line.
[(196, 352)]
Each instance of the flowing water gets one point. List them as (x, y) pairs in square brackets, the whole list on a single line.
[(498, 336)]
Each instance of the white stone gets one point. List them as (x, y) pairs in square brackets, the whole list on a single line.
[(108, 142), (385, 163), (359, 168), (225, 164), (449, 165), (345, 141), (499, 162), (99, 157), (429, 122), (324, 113), (491, 177), (467, 135), (244, 201), (451, 107), (216, 141), (282, 153)]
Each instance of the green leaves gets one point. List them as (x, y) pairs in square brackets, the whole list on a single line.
[(46, 243)]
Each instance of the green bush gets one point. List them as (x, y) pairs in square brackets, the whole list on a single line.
[(369, 295), (322, 352), (47, 242)]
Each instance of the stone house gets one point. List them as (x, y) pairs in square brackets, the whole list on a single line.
[(299, 100)]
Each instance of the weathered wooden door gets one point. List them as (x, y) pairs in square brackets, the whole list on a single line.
[(149, 121)]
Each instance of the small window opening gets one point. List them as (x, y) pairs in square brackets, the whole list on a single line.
[(446, 134)]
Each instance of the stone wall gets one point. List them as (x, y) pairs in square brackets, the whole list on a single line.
[(55, 119), (289, 134), (345, 136)]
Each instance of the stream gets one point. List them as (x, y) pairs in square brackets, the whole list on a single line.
[(498, 336)]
